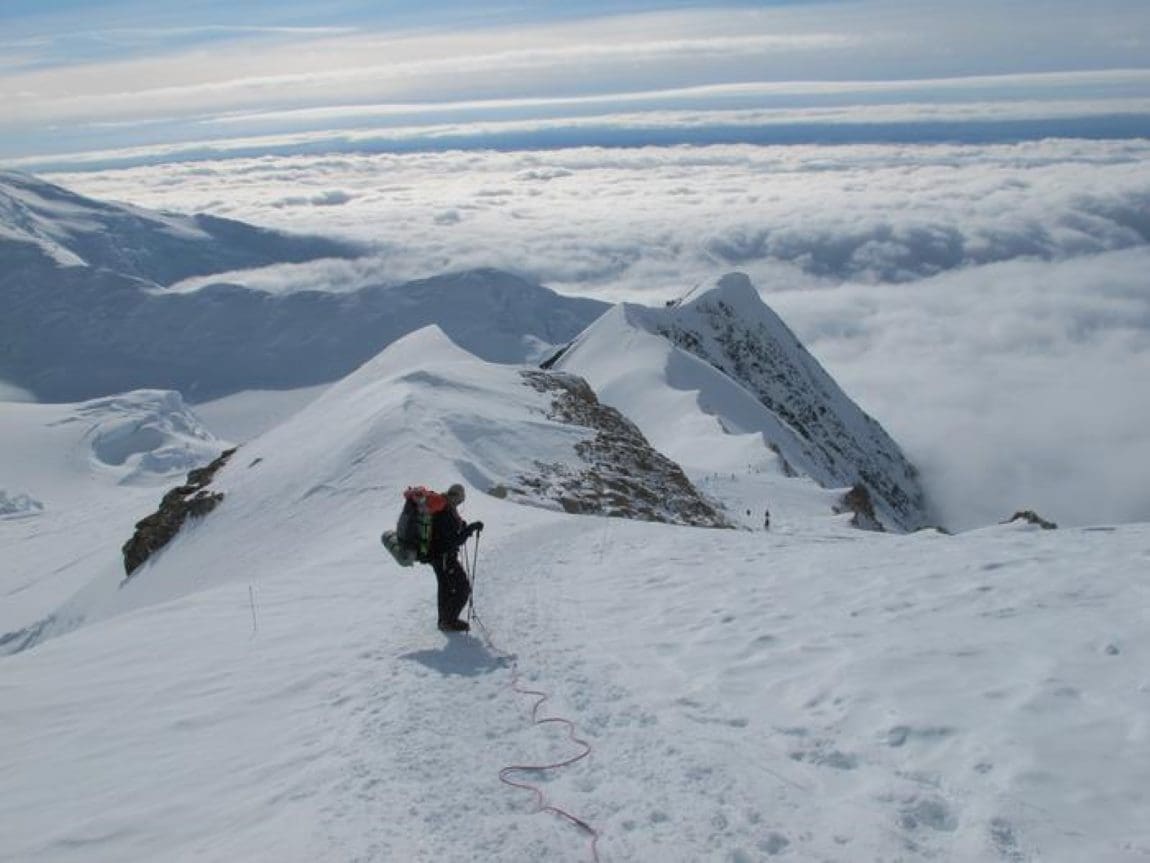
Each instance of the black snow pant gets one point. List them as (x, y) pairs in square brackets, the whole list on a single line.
[(454, 588)]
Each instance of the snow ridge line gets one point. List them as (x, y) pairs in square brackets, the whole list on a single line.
[(541, 697)]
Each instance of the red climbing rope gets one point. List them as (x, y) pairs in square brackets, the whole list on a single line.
[(540, 800), (541, 803)]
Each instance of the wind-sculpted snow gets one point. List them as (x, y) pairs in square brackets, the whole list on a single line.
[(733, 330), (18, 504), (808, 422), (148, 432)]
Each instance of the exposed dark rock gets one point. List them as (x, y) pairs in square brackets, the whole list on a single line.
[(191, 500), (625, 476), (1031, 516), (858, 501)]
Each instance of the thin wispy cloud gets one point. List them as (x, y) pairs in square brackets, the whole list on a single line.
[(222, 83)]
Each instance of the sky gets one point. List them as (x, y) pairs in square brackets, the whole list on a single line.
[(949, 203), (133, 81)]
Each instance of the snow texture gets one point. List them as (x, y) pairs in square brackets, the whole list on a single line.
[(272, 685), (17, 504)]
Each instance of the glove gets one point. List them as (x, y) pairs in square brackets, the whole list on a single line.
[(475, 527)]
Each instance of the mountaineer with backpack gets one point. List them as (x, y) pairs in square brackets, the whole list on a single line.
[(431, 530), (448, 532)]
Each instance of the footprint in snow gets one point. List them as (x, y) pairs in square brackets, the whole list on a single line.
[(1003, 840), (899, 735), (930, 812)]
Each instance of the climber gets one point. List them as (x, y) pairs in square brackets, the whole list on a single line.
[(448, 532)]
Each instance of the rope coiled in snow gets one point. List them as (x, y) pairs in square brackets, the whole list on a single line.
[(541, 802)]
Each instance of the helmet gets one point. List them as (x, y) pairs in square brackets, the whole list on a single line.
[(456, 494)]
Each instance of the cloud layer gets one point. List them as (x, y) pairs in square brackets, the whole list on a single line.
[(988, 304)]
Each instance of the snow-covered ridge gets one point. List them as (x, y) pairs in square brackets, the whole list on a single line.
[(422, 404), (72, 230), (105, 324), (768, 387)]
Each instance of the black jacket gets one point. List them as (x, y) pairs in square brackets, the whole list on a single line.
[(448, 532)]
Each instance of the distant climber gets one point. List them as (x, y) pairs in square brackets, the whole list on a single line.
[(766, 519), (448, 532)]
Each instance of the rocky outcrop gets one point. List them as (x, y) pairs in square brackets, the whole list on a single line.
[(624, 475), (191, 500), (1031, 517), (858, 501)]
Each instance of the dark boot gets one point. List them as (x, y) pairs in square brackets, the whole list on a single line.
[(454, 626)]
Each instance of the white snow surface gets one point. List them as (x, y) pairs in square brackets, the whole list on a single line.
[(74, 479), (35, 212), (272, 687)]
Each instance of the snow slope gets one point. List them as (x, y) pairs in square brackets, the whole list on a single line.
[(272, 687), (86, 312), (162, 248), (74, 334), (76, 478), (719, 372), (492, 424)]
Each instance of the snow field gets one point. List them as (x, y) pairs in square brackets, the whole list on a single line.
[(81, 476), (852, 697), (272, 687), (827, 697)]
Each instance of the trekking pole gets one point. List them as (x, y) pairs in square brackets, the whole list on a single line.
[(474, 567)]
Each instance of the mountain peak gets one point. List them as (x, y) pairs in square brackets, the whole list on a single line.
[(747, 374), (81, 283), (426, 347), (735, 289), (163, 248)]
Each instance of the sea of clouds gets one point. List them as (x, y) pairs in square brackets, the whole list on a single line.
[(989, 304)]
